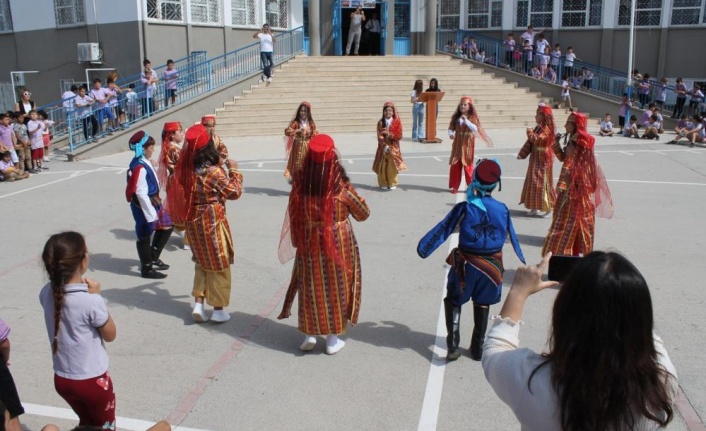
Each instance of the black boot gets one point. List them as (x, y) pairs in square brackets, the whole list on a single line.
[(145, 254), (158, 242), (453, 321), (480, 324)]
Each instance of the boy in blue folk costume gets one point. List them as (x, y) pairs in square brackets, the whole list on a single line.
[(143, 194), (477, 263)]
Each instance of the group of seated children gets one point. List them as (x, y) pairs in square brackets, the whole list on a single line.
[(24, 144), (693, 131)]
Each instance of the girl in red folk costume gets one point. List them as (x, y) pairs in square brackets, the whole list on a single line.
[(462, 129), (538, 191), (326, 273), (388, 158), (78, 323), (207, 186), (581, 192), (172, 139), (297, 136)]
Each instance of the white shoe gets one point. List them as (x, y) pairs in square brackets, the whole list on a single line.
[(198, 314), (220, 316), (393, 187), (46, 159), (547, 214), (334, 344), (269, 79), (532, 213), (308, 344), (187, 247)]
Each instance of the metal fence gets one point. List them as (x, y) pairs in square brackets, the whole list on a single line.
[(196, 76), (605, 82)]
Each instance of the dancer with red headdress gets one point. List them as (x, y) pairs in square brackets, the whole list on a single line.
[(538, 191), (209, 122), (581, 193), (462, 129), (326, 273), (300, 131), (207, 186), (172, 139), (388, 157)]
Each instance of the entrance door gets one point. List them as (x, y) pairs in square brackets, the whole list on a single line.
[(341, 24)]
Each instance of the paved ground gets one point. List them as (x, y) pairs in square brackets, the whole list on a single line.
[(249, 374)]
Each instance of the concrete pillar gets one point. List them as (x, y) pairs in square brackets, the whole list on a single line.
[(430, 28), (314, 25), (390, 40)]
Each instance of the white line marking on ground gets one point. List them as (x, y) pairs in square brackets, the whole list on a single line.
[(350, 161), (438, 159), (44, 185), (62, 413), (626, 153), (659, 152), (435, 381), (259, 165)]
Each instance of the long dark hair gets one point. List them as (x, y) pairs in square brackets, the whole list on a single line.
[(457, 114), (206, 156), (603, 360), (418, 87), (62, 257), (321, 179), (309, 118), (433, 87)]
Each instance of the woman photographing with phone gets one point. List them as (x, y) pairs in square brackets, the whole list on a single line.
[(605, 369)]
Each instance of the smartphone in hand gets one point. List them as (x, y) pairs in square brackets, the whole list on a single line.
[(560, 267)]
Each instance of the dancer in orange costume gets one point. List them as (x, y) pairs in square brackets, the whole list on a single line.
[(462, 129), (538, 191), (388, 157)]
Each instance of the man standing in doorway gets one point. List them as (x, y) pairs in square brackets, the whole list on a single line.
[(373, 26), (267, 47), (355, 30)]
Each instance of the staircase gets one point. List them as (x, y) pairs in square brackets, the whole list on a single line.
[(347, 95)]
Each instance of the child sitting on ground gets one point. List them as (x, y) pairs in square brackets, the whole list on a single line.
[(682, 126), (630, 129), (8, 170), (652, 129), (606, 126)]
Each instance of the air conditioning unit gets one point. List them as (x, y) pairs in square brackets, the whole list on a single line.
[(89, 52)]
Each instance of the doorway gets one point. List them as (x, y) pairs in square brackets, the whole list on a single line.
[(368, 42)]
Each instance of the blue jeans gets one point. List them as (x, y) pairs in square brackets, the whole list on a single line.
[(418, 121), (267, 63)]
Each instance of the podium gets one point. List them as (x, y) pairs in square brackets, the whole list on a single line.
[(431, 98)]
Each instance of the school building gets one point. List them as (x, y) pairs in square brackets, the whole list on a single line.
[(60, 39)]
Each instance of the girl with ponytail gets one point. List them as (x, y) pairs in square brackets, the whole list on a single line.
[(78, 323)]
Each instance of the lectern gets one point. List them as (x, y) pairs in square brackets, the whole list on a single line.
[(431, 98)]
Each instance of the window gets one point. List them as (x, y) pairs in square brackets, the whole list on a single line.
[(5, 17), (244, 13), (449, 15), (581, 13), (165, 10), (484, 14), (69, 13), (402, 18), (688, 12), (537, 13), (277, 13), (206, 11), (647, 12)]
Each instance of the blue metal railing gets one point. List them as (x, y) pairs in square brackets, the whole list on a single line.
[(197, 76), (589, 77)]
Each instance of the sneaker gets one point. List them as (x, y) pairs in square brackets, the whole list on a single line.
[(393, 187), (126, 126), (220, 316), (187, 247), (547, 214), (152, 274), (160, 265), (334, 344), (532, 213), (46, 159), (269, 79), (198, 314), (44, 168), (308, 344)]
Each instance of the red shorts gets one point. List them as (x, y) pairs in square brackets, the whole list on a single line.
[(93, 400), (38, 154), (47, 140)]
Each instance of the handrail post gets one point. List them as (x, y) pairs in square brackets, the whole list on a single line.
[(210, 77)]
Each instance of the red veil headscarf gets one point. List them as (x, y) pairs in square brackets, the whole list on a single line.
[(169, 183), (289, 140), (167, 131), (548, 119), (396, 124), (475, 120), (587, 172), (312, 199), (196, 138)]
